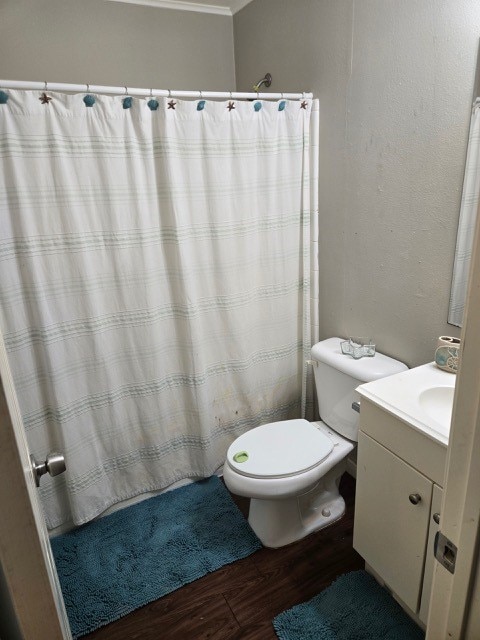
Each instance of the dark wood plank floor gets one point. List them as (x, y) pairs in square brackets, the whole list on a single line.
[(241, 599)]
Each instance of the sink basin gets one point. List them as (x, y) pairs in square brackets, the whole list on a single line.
[(437, 402), (422, 397)]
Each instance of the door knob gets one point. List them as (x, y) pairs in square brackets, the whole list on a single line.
[(415, 498), (54, 465), (436, 518)]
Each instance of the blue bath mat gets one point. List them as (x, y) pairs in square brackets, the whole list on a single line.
[(114, 565), (354, 607)]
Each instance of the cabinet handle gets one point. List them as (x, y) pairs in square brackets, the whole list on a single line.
[(436, 518), (415, 498)]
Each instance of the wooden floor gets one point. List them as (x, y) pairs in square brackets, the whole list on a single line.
[(241, 599)]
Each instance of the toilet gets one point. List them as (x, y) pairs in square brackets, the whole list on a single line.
[(291, 469)]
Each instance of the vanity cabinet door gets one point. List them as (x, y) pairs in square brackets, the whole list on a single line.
[(392, 511)]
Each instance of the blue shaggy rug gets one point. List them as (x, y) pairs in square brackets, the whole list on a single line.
[(109, 567), (354, 607)]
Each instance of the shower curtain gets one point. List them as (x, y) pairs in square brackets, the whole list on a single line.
[(158, 286)]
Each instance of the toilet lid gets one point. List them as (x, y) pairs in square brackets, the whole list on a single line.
[(279, 449)]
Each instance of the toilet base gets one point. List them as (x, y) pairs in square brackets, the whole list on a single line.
[(280, 522)]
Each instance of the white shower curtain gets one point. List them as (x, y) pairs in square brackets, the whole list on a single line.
[(466, 223), (155, 283)]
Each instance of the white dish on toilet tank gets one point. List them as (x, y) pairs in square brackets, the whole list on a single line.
[(291, 469)]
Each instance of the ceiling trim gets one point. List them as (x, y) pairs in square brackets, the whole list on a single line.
[(183, 5), (236, 5)]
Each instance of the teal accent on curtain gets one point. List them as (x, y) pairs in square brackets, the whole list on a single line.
[(156, 291)]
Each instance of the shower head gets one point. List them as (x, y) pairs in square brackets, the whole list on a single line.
[(266, 80)]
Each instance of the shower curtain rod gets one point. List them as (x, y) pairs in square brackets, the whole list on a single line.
[(93, 88)]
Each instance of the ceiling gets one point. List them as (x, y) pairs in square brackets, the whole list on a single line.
[(220, 7)]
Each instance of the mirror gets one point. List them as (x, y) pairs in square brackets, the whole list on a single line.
[(468, 213)]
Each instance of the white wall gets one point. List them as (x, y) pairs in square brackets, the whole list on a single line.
[(395, 82), (98, 42)]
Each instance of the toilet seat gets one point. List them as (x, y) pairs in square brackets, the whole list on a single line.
[(279, 449)]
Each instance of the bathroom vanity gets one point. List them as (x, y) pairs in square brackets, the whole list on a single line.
[(402, 447)]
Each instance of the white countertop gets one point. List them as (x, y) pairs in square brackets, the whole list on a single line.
[(412, 396)]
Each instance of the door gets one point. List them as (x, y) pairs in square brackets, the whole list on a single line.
[(453, 611), (25, 552), (392, 509)]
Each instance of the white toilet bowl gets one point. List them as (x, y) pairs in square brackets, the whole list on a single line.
[(291, 471)]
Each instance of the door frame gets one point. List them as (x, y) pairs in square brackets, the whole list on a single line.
[(25, 551), (450, 601)]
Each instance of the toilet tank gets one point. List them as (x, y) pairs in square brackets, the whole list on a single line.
[(336, 378)]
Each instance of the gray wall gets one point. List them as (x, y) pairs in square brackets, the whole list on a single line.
[(102, 42), (395, 82)]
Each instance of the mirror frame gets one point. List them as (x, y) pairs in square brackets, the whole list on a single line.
[(466, 225)]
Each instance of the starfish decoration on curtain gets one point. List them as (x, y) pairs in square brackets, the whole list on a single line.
[(303, 105), (231, 105), (44, 99), (171, 104)]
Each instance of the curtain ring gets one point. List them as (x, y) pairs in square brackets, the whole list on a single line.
[(281, 95), (88, 88), (151, 93), (45, 85), (126, 91), (169, 93), (201, 96)]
